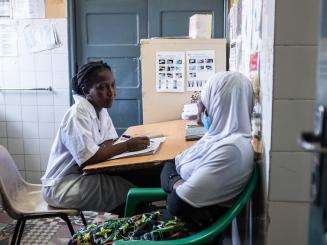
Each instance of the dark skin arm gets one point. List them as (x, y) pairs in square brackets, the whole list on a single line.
[(108, 149)]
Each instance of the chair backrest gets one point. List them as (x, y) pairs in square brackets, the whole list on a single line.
[(11, 181)]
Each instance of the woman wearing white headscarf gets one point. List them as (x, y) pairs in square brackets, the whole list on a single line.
[(215, 169)]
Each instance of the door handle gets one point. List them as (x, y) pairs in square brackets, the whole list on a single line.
[(312, 143)]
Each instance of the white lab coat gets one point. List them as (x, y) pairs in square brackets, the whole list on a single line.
[(77, 140)]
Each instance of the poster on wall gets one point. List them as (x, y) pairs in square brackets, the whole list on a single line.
[(200, 66), (26, 9), (41, 36), (5, 8), (8, 38), (170, 71)]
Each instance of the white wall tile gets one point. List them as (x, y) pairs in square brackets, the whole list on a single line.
[(44, 98), (20, 162), (43, 79), (29, 113), (12, 98), (11, 79), (296, 22), (30, 130), (290, 119), (46, 130), (3, 129), (61, 97), (4, 142), (31, 146), (59, 62), (10, 64), (27, 63), (2, 97), (28, 79), (14, 129), (2, 113), (61, 80), (45, 113), (15, 146), (44, 162), (33, 113), (29, 97), (43, 62), (288, 223), (45, 146), (33, 177), (33, 162), (290, 176), (60, 112), (295, 72), (13, 113)]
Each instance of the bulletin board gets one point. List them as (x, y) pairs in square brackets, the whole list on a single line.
[(159, 107), (55, 9)]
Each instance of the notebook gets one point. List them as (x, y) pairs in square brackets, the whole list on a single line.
[(194, 132), (150, 150)]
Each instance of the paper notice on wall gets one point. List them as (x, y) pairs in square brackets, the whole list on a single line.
[(200, 67), (8, 38), (5, 8), (41, 36), (25, 9), (170, 71)]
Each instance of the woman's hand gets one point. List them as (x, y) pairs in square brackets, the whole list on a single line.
[(137, 143)]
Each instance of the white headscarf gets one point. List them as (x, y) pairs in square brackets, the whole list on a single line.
[(228, 98)]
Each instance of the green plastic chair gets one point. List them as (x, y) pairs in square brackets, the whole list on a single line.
[(137, 195)]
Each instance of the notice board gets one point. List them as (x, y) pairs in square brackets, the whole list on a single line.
[(159, 107)]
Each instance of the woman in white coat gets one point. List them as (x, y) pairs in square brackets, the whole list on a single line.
[(86, 136)]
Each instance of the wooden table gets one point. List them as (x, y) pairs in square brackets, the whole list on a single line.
[(174, 131)]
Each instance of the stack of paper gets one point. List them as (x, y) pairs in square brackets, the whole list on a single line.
[(190, 111), (150, 150), (41, 36)]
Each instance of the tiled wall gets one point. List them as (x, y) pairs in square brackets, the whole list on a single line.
[(295, 54), (29, 120)]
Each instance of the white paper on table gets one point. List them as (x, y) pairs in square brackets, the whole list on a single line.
[(41, 36), (8, 38), (150, 150), (200, 67), (5, 8), (170, 71), (25, 9)]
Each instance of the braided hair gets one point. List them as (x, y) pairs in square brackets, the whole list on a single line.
[(87, 75)]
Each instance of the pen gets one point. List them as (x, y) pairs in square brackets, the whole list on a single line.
[(126, 136)]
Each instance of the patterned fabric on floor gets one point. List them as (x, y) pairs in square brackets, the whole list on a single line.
[(52, 231)]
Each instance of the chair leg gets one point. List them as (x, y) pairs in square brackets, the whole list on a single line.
[(21, 231), (69, 224), (83, 219), (250, 224), (17, 228)]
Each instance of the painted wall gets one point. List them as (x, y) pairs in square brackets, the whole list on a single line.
[(29, 120)]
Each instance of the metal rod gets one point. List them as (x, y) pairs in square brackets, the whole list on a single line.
[(29, 89)]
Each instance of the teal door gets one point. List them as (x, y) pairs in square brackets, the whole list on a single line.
[(111, 30)]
